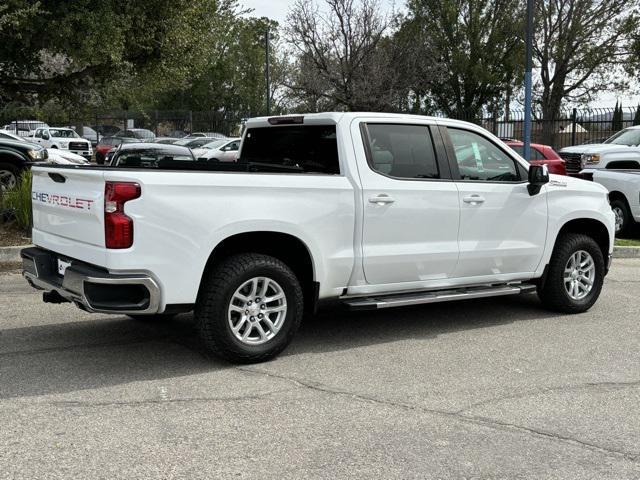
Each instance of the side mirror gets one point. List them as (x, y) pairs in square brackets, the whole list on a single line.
[(46, 136), (538, 176)]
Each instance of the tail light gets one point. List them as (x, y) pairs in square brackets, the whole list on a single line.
[(118, 228)]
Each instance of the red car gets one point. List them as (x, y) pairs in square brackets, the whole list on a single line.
[(541, 155), (107, 144)]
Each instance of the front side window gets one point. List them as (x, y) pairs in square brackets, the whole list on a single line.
[(480, 159), (402, 151), (535, 153), (291, 149)]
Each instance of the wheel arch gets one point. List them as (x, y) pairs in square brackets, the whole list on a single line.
[(590, 227), (12, 157), (618, 195), (288, 248)]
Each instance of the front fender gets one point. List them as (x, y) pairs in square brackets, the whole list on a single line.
[(563, 207)]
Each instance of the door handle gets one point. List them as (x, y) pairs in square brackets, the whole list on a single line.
[(474, 199), (382, 199)]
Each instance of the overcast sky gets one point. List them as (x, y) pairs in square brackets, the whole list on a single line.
[(278, 9)]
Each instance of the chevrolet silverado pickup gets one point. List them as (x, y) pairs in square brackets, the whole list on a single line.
[(368, 210)]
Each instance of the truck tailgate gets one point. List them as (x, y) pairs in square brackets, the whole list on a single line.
[(68, 207)]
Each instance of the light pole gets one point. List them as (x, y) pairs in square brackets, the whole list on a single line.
[(527, 81), (266, 70)]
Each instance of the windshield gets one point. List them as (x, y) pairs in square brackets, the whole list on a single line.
[(59, 133), (216, 144), (628, 136)]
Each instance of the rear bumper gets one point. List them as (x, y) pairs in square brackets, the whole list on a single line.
[(91, 288)]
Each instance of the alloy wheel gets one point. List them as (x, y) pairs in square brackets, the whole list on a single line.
[(257, 310), (579, 275)]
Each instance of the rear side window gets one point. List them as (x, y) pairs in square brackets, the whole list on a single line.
[(402, 151), (293, 149)]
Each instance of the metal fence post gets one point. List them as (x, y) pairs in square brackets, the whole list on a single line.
[(155, 130), (190, 121), (574, 124)]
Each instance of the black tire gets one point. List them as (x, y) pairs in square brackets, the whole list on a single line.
[(216, 293), (620, 208), (553, 293), (158, 317), (12, 174), (99, 158)]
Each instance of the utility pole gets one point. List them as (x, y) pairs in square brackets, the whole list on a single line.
[(527, 81), (266, 71)]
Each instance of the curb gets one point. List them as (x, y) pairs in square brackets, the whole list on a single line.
[(626, 252), (11, 254)]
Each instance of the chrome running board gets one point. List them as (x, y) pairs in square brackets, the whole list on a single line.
[(376, 302)]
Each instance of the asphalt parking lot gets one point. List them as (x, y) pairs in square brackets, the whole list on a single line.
[(486, 389)]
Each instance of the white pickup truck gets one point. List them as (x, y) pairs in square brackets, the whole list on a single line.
[(369, 210), (624, 194), (63, 139), (620, 151)]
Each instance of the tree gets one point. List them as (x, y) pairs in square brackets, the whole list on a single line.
[(71, 48), (232, 80), (580, 47), (344, 57), (479, 42), (636, 117), (617, 119)]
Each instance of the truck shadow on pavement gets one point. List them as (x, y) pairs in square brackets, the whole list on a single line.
[(102, 351)]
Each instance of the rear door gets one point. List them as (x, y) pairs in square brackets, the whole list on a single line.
[(411, 210), (230, 151)]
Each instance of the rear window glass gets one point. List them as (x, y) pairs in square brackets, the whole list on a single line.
[(295, 149), (151, 159)]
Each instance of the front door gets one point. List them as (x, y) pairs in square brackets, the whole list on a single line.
[(502, 228), (410, 203)]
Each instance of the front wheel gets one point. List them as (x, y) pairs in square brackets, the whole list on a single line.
[(624, 220), (8, 176), (575, 274), (249, 308)]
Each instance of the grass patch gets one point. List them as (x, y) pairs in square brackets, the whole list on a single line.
[(15, 204), (627, 242)]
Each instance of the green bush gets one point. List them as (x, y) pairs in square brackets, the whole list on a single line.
[(16, 203)]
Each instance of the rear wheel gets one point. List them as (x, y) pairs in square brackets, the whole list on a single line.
[(249, 308), (9, 175), (575, 274)]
